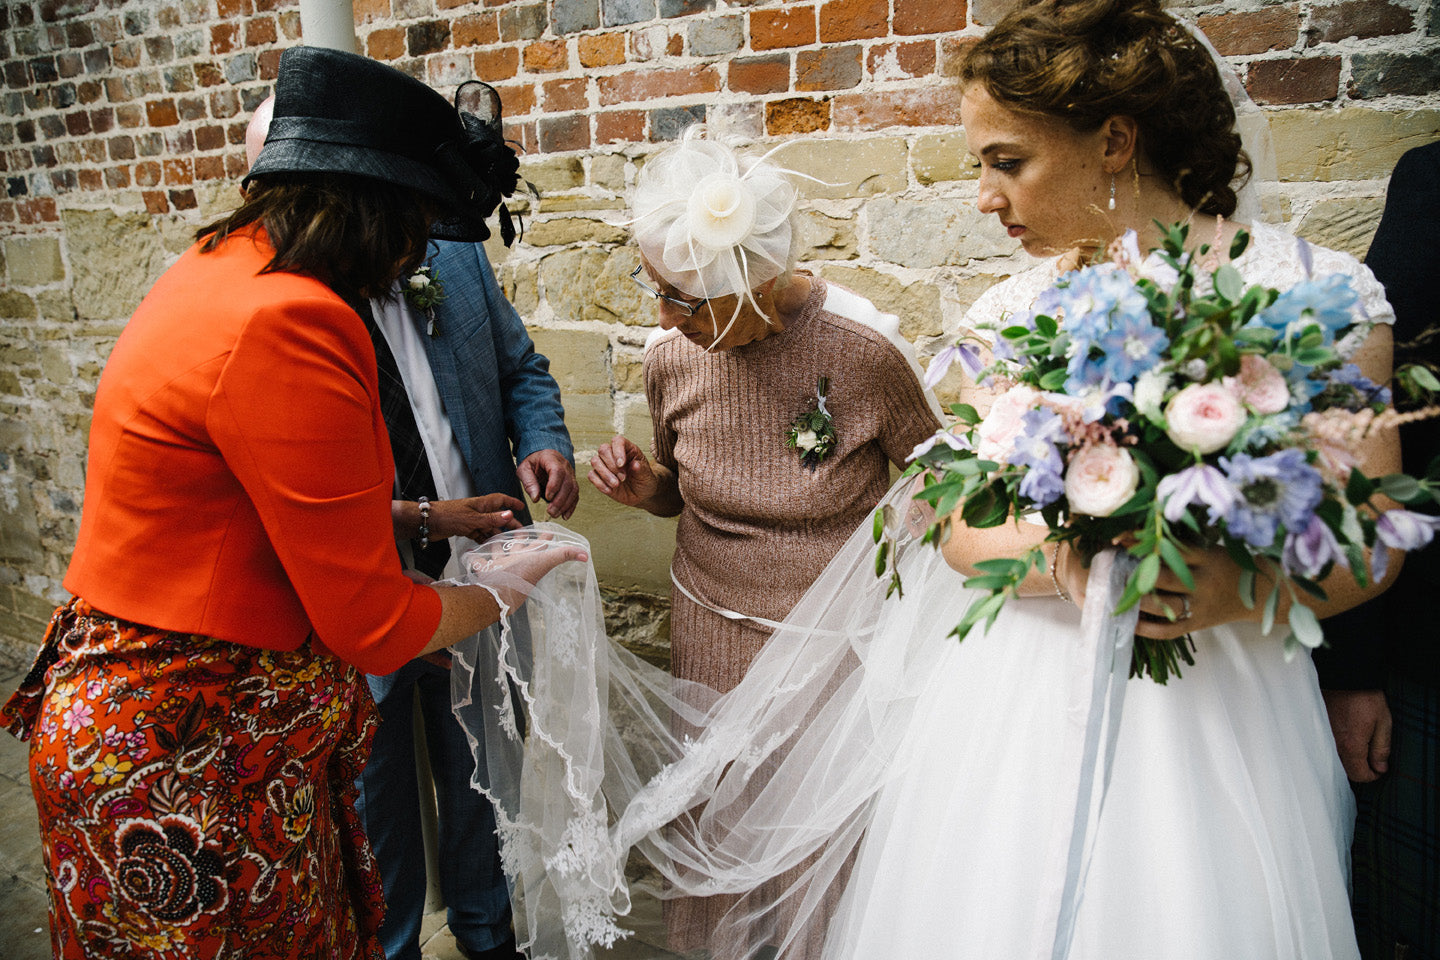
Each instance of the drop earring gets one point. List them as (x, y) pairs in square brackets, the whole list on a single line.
[(1112, 191)]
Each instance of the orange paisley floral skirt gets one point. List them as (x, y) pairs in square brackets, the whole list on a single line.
[(196, 796)]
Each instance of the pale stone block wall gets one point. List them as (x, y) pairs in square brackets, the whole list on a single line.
[(122, 127)]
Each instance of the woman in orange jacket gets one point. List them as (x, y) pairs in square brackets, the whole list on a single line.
[(196, 714)]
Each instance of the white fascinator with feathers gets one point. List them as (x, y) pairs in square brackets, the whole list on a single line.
[(712, 222)]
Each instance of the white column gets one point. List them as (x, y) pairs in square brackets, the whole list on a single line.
[(328, 23)]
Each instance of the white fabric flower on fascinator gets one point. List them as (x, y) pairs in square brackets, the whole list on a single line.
[(711, 222)]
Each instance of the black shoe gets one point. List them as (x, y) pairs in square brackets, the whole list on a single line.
[(505, 951)]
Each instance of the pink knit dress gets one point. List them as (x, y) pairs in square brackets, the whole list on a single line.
[(757, 525)]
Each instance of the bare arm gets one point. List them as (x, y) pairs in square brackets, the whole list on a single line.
[(464, 609)]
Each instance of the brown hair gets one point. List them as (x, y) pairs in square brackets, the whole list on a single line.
[(1083, 61), (357, 235)]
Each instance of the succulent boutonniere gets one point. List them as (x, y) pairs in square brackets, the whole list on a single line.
[(424, 291), (813, 432)]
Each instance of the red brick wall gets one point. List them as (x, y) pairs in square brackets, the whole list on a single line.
[(152, 96)]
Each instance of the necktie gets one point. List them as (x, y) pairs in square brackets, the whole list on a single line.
[(412, 464)]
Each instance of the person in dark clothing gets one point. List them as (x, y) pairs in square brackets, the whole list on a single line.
[(1381, 672)]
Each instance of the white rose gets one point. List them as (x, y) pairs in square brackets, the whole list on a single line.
[(419, 281), (806, 440), (1150, 392), (1099, 480), (1203, 417), (1260, 385), (997, 432)]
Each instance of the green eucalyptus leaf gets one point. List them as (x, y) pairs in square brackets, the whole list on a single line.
[(1238, 244), (1229, 284), (1305, 626), (1267, 618), (965, 413), (1358, 488), (1147, 573), (1398, 486), (1176, 562)]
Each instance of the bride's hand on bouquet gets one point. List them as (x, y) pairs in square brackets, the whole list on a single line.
[(1173, 610)]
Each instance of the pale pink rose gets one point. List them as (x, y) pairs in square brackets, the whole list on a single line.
[(997, 432), (1203, 417), (1260, 385), (1100, 478)]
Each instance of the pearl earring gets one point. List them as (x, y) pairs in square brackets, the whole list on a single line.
[(1112, 191)]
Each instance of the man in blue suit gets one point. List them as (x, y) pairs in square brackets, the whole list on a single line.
[(490, 419)]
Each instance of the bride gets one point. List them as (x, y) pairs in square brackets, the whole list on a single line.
[(1012, 795)]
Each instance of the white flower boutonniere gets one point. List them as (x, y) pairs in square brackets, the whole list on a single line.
[(424, 291), (813, 432)]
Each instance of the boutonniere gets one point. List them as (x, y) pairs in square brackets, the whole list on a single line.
[(813, 432), (424, 291)]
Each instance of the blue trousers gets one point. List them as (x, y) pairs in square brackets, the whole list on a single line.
[(471, 880)]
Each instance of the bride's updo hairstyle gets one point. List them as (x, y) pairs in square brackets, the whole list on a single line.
[(1084, 61)]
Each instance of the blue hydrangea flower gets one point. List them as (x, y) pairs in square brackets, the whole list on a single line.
[(1132, 346), (1096, 299), (1280, 488), (1035, 450), (1350, 376), (1329, 302), (1041, 487)]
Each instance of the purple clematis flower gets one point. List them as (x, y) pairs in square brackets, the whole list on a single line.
[(1307, 553), (1201, 484), (968, 356), (951, 440), (1401, 530)]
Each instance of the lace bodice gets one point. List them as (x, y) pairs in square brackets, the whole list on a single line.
[(1272, 259)]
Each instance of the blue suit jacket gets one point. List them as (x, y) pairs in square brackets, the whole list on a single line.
[(502, 402)]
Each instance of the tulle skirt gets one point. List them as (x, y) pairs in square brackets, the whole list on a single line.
[(1223, 832)]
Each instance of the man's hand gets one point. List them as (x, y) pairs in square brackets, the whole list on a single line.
[(1360, 720), (547, 475)]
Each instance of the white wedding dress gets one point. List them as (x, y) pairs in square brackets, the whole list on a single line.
[(1011, 796)]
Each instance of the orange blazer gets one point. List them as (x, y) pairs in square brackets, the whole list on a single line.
[(239, 475)]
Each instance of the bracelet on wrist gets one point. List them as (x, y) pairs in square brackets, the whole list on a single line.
[(1055, 575), (424, 522)]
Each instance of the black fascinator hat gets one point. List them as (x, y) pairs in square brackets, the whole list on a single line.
[(338, 112), (484, 156)]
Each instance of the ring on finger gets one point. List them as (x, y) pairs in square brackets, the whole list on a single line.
[(1185, 606)]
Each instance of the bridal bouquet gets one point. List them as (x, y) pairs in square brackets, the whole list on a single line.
[(1162, 404)]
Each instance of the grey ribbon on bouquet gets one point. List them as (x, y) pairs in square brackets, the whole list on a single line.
[(1099, 697)]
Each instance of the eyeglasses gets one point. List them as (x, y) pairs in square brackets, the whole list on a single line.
[(688, 307)]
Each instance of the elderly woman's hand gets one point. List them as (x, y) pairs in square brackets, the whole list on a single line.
[(622, 472)]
